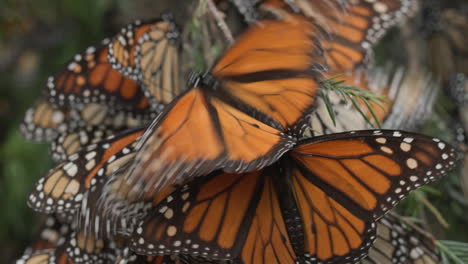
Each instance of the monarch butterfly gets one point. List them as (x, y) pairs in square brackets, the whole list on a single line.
[(90, 100), (65, 187), (87, 92), (79, 247), (319, 203), (149, 53), (353, 27), (235, 117), (396, 242)]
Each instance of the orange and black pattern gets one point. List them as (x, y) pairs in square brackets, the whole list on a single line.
[(89, 78), (352, 27), (87, 92), (148, 53), (320, 203), (89, 99), (239, 117)]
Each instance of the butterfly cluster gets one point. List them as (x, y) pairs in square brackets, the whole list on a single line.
[(242, 167)]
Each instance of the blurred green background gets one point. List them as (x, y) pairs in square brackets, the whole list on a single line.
[(38, 37)]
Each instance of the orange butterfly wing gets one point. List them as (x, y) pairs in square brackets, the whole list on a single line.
[(235, 119), (189, 140), (352, 27), (332, 232), (356, 27), (347, 181), (221, 216), (339, 186), (87, 93), (272, 69), (89, 76)]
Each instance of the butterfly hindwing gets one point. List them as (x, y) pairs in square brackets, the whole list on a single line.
[(148, 53), (67, 144), (221, 216), (63, 189), (86, 95), (398, 243)]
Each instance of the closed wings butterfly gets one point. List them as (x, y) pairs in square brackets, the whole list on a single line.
[(65, 187), (236, 116), (88, 100), (317, 204), (149, 53), (398, 243)]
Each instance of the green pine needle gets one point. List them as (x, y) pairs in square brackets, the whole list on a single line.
[(350, 93), (453, 251)]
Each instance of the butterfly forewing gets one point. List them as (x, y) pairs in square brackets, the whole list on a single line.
[(90, 78), (236, 119), (372, 170), (352, 27), (283, 85)]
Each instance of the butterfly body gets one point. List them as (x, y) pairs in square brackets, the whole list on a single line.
[(242, 115)]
